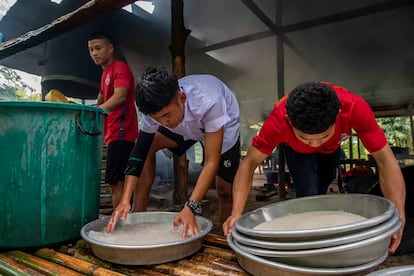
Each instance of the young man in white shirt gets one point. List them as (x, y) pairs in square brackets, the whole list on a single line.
[(177, 114)]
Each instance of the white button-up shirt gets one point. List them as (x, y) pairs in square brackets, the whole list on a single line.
[(210, 105)]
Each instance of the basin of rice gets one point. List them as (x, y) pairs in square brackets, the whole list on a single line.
[(144, 238), (315, 217)]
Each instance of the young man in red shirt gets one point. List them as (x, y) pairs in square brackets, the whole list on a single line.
[(116, 95), (311, 122)]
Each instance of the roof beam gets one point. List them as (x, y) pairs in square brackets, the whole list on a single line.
[(86, 13), (236, 41), (262, 16), (376, 8), (275, 30)]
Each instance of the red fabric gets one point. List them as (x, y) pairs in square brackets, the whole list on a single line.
[(358, 171), (355, 114), (116, 75)]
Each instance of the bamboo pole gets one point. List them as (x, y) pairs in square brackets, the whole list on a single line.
[(226, 254), (21, 267), (174, 269), (226, 264), (39, 264), (86, 255), (7, 268), (216, 240), (83, 254), (74, 263), (220, 257), (209, 269)]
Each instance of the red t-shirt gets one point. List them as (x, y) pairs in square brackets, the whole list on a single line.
[(355, 114), (121, 123)]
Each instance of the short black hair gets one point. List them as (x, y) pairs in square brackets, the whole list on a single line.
[(101, 35), (155, 89), (312, 107)]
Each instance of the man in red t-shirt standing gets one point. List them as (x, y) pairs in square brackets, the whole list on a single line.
[(311, 122), (116, 95)]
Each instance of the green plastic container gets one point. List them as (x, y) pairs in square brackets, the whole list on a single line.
[(50, 170)]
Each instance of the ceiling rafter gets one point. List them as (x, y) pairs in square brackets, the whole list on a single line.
[(282, 30), (337, 17), (275, 30)]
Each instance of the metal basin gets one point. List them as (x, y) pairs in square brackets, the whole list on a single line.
[(346, 255), (404, 270), (259, 266), (147, 254), (376, 209), (319, 243)]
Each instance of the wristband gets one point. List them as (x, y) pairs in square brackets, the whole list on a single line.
[(195, 206)]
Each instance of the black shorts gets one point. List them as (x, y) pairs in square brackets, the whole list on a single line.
[(116, 160), (229, 163)]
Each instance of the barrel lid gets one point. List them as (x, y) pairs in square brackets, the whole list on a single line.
[(55, 105)]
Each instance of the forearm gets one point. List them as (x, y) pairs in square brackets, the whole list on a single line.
[(392, 185), (213, 144), (129, 187), (112, 103), (241, 187), (391, 178), (244, 178), (116, 100), (100, 99), (204, 181)]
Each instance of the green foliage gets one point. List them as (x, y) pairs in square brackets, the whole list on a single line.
[(358, 149), (397, 130), (12, 87), (257, 126)]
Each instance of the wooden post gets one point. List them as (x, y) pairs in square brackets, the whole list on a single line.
[(280, 55), (179, 36)]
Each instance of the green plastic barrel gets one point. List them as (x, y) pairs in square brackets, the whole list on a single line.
[(50, 170)]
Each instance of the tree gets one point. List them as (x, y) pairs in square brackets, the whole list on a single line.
[(12, 87), (397, 130)]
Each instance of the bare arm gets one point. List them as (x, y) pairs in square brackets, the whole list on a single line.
[(242, 185), (100, 99), (392, 186), (123, 208), (116, 100), (213, 144), (133, 173)]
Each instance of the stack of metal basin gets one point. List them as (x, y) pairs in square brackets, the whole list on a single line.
[(350, 248)]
